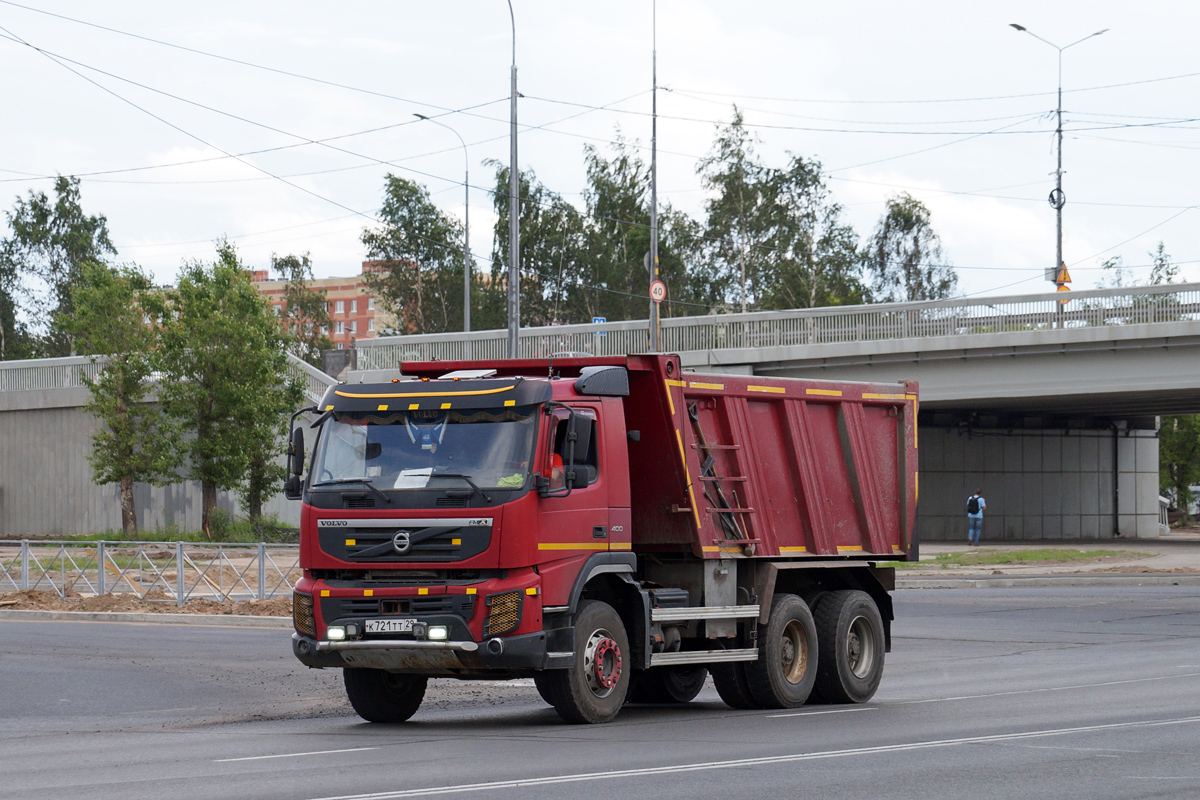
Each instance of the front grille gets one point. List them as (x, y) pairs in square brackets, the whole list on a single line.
[(427, 541), (354, 608), (504, 614), (302, 614)]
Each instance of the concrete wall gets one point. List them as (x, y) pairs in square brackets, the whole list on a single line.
[(46, 483), (1038, 484)]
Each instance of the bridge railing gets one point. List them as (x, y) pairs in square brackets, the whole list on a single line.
[(157, 571), (837, 324), (73, 372)]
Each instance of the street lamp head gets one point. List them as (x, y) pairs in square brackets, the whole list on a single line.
[(1015, 25)]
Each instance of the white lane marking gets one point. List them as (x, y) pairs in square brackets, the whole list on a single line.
[(521, 783), (294, 755), (1049, 689), (819, 713)]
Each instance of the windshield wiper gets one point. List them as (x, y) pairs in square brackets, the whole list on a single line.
[(466, 478), (358, 481)]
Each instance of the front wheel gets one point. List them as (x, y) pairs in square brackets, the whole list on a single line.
[(594, 688), (381, 696), (850, 632)]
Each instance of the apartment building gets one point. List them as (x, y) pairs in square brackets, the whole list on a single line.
[(352, 311)]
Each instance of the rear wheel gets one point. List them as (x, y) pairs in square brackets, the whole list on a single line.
[(594, 688), (730, 679), (381, 696), (786, 668), (850, 632), (667, 685)]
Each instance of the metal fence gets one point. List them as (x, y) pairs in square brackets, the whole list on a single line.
[(838, 324), (156, 571)]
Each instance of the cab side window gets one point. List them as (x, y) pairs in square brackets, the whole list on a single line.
[(587, 467)]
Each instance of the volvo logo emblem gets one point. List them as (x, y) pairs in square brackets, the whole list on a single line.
[(401, 542)]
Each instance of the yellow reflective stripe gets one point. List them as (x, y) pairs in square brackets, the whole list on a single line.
[(382, 407), (413, 406), (867, 396), (620, 546), (473, 392), (445, 405), (714, 386), (324, 593), (825, 392), (910, 397), (670, 382), (688, 478), (793, 549), (710, 549), (771, 389), (422, 591), (472, 590), (849, 549), (351, 542), (572, 545), (510, 402), (368, 592), (671, 400)]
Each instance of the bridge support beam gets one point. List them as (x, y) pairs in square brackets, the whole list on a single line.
[(1040, 484)]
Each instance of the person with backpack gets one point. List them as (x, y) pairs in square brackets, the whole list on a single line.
[(975, 506)]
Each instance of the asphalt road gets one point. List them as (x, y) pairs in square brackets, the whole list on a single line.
[(1069, 692)]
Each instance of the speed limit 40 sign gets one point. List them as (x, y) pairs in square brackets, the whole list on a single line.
[(658, 291)]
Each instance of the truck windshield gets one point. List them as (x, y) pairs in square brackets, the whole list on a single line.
[(408, 450)]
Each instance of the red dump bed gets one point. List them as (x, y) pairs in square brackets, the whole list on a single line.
[(729, 465)]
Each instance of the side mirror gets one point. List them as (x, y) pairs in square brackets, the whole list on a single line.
[(291, 487), (296, 452), (579, 439)]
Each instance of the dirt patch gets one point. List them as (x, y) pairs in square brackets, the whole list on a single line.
[(1147, 570), (156, 602)]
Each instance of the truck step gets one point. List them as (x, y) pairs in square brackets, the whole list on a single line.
[(703, 656), (701, 612)]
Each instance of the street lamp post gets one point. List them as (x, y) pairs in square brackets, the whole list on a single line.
[(1057, 198), (466, 222), (514, 200)]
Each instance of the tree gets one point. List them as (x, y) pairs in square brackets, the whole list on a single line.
[(811, 257), (111, 321), (904, 255), (305, 311), (422, 250), (1179, 458), (225, 364), (47, 250), (1163, 270), (736, 225), (266, 435)]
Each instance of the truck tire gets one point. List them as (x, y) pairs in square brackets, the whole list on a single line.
[(786, 669), (381, 696), (730, 680), (594, 688), (850, 635), (667, 685)]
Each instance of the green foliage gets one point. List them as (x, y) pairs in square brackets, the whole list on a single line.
[(904, 255), (422, 248), (305, 313), (1163, 270), (110, 317), (225, 364), (1179, 458), (40, 263)]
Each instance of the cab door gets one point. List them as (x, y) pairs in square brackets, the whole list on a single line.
[(577, 524)]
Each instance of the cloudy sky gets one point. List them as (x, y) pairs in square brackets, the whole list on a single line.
[(274, 123)]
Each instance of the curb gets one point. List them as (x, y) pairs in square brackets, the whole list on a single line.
[(220, 620), (1034, 581)]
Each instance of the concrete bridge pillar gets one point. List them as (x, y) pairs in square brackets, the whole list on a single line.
[(1040, 484)]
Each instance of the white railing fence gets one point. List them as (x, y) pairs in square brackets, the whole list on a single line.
[(169, 572), (954, 317)]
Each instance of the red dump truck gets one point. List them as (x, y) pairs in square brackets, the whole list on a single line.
[(615, 528)]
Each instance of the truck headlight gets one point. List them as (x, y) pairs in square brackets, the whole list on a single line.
[(335, 633), (438, 633)]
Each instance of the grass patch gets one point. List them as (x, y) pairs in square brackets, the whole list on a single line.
[(225, 528), (1033, 556)]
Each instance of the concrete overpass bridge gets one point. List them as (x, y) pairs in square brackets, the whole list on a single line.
[(1049, 407)]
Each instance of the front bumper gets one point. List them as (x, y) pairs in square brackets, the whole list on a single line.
[(522, 652)]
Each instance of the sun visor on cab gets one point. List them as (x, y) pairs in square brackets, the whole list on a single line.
[(435, 395)]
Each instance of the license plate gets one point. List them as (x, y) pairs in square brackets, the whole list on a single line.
[(390, 625)]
